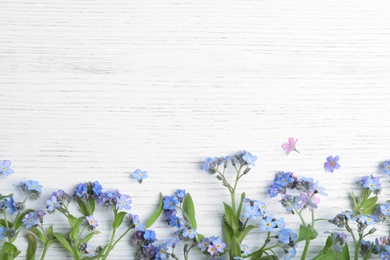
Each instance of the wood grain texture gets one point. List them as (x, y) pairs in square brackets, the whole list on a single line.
[(92, 90)]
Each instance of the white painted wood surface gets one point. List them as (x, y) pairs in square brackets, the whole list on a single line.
[(92, 90)]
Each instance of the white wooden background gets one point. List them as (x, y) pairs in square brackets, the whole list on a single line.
[(92, 90)]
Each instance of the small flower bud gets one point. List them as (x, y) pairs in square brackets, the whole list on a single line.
[(372, 231), (247, 170)]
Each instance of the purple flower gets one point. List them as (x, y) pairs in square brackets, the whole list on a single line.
[(89, 250), (5, 167), (92, 221), (331, 163), (290, 146)]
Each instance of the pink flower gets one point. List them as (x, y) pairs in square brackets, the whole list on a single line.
[(290, 146)]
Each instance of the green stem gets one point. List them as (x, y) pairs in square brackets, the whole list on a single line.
[(110, 245), (300, 216), (305, 250), (44, 251), (124, 233), (357, 247)]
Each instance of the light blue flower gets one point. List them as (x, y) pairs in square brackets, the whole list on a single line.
[(266, 224), (124, 202), (140, 175), (30, 220), (169, 203), (52, 204), (245, 249), (386, 167), (284, 235), (190, 233), (249, 158), (10, 205), (34, 186), (5, 167), (3, 232)]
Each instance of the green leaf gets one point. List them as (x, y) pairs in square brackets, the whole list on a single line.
[(118, 219), (328, 247), (50, 232), (246, 231), (39, 234), (5, 223), (238, 213), (355, 202), (369, 210), (9, 251), (72, 220), (228, 232), (230, 218), (306, 233), (269, 257), (64, 242), (88, 237), (18, 221), (199, 237), (92, 205), (32, 246), (368, 202), (189, 209), (155, 216), (344, 255), (74, 233), (234, 247), (83, 207), (50, 242), (366, 194), (6, 196)]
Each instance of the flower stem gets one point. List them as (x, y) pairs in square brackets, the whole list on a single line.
[(305, 250), (44, 252)]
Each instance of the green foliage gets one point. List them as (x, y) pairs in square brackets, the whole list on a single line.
[(157, 214)]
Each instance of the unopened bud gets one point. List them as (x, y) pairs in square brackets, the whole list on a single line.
[(247, 170)]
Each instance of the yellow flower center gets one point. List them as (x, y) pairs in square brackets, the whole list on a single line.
[(331, 163), (4, 168), (388, 167), (268, 224)]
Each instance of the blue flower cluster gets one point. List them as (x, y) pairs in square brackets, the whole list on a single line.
[(243, 158), (212, 245), (307, 189)]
